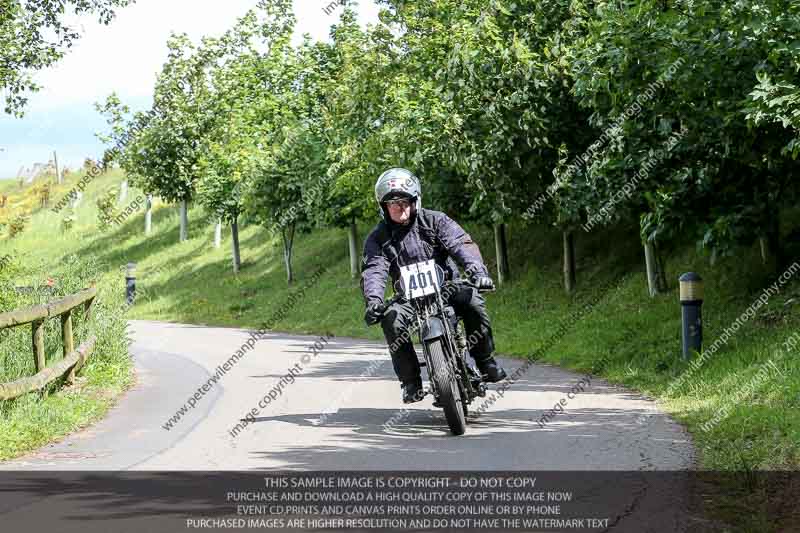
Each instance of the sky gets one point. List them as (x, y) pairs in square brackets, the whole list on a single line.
[(125, 57)]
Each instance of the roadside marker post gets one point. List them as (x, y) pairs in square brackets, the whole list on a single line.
[(691, 296), (130, 283)]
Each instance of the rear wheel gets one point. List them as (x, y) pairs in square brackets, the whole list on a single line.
[(447, 385)]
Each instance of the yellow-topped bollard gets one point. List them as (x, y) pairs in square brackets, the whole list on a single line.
[(691, 295), (130, 283)]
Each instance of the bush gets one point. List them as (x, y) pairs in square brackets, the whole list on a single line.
[(106, 208), (6, 289), (43, 192), (17, 225)]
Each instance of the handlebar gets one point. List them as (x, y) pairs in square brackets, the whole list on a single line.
[(464, 282)]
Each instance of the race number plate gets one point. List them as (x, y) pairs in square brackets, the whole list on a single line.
[(419, 279)]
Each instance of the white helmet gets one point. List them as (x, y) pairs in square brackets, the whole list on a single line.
[(397, 183)]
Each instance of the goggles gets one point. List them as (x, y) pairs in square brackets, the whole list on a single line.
[(401, 203)]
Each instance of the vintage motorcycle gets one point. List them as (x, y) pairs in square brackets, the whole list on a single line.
[(455, 382)]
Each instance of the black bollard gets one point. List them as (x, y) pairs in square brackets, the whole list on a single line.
[(691, 294), (130, 283)]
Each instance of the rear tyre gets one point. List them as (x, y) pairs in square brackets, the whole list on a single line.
[(447, 385)]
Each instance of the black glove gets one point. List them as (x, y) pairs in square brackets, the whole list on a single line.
[(483, 283), (374, 313)]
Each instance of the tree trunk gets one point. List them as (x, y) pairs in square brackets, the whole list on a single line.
[(123, 191), (656, 276), (762, 241), (237, 260), (287, 232), (218, 233), (569, 261), (352, 241), (75, 201), (776, 254), (661, 272), (773, 253), (55, 162), (501, 253), (148, 215), (184, 235)]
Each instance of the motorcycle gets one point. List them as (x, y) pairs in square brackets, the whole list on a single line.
[(454, 381)]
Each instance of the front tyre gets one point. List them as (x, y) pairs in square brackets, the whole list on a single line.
[(447, 385)]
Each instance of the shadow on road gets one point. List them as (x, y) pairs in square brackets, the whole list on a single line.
[(501, 438)]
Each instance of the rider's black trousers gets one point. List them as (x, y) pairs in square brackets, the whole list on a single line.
[(399, 327)]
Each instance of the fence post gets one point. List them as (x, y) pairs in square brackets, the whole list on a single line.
[(37, 317), (37, 327), (88, 308), (66, 336)]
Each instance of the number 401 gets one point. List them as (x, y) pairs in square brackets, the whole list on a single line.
[(419, 281)]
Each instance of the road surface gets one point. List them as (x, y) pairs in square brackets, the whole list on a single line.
[(340, 410), (366, 426)]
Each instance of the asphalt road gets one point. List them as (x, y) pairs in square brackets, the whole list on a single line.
[(365, 427), (341, 410)]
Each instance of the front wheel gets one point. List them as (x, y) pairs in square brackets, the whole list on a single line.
[(447, 385)]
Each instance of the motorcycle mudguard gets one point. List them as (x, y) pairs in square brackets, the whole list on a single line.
[(432, 329)]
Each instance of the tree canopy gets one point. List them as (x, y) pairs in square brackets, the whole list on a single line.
[(33, 36), (680, 117)]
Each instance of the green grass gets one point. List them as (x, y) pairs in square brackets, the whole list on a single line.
[(637, 336), (8, 185), (35, 419)]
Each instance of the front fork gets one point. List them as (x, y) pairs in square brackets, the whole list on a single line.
[(433, 327)]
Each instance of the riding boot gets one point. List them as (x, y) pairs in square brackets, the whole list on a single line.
[(412, 391), (491, 370)]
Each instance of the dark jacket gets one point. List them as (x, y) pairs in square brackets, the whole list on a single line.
[(430, 235)]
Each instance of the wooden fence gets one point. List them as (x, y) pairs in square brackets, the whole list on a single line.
[(73, 358)]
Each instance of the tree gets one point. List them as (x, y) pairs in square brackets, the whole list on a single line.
[(224, 167), (160, 148), (123, 140), (492, 106), (229, 152), (776, 99), (168, 149), (229, 148), (291, 169), (25, 46), (356, 94), (284, 187), (725, 182)]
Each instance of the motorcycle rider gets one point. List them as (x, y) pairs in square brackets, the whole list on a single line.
[(409, 234)]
